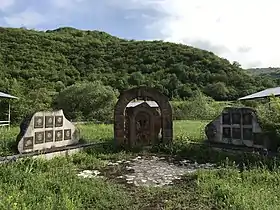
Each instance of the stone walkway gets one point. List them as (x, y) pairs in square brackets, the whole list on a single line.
[(151, 171)]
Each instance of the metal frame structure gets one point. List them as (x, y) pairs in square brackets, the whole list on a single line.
[(7, 122)]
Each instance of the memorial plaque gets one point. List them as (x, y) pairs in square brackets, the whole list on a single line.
[(58, 135), (39, 137), (58, 121), (236, 118), (226, 118), (226, 133), (49, 121), (46, 136), (38, 122), (28, 143), (236, 133), (247, 119), (67, 134), (49, 136), (247, 134)]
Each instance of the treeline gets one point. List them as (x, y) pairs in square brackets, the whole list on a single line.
[(38, 66)]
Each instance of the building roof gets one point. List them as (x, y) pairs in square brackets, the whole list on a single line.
[(136, 103), (5, 95), (263, 94)]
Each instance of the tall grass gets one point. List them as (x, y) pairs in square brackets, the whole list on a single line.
[(242, 181)]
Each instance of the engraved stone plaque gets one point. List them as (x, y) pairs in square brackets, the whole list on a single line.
[(58, 121), (236, 133), (38, 122), (226, 133), (226, 118), (49, 121), (67, 134), (236, 118), (39, 137), (49, 136), (28, 143), (58, 135)]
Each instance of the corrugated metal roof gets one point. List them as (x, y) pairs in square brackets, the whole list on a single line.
[(5, 95), (263, 93), (136, 103)]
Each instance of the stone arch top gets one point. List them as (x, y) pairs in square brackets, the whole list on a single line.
[(143, 92)]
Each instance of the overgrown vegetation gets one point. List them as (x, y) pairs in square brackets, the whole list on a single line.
[(243, 181), (37, 66)]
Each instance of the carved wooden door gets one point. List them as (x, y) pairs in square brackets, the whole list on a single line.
[(143, 129)]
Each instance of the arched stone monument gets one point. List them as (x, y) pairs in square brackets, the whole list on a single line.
[(141, 123)]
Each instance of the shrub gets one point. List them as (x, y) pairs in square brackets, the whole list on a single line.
[(198, 107), (87, 101), (269, 116)]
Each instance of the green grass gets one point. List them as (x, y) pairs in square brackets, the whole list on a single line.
[(242, 182)]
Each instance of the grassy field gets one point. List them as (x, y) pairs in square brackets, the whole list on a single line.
[(242, 182)]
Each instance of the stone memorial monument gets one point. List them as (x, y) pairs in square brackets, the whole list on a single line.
[(145, 122), (46, 130), (237, 126)]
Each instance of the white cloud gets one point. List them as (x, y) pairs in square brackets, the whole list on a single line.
[(66, 4), (4, 4), (27, 18), (246, 31)]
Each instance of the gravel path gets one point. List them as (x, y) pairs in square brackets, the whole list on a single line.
[(151, 171)]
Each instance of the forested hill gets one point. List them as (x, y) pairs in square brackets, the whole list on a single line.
[(270, 72), (36, 65)]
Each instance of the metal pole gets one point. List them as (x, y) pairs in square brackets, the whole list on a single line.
[(9, 115)]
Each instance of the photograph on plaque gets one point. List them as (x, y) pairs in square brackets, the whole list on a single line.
[(226, 118), (67, 134), (236, 118), (58, 135), (226, 133), (49, 121), (247, 134), (58, 121), (39, 137), (236, 133), (247, 119), (38, 122), (28, 143), (49, 136)]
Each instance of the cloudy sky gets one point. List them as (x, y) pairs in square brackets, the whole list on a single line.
[(245, 31)]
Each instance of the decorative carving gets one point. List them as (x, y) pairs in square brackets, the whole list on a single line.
[(141, 123)]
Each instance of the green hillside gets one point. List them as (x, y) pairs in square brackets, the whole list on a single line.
[(268, 72), (36, 66)]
